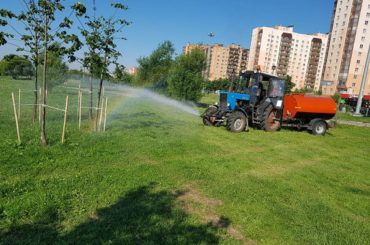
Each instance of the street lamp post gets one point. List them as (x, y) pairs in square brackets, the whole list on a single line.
[(364, 78)]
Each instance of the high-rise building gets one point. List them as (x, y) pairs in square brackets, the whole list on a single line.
[(348, 46), (281, 51), (223, 62), (132, 71)]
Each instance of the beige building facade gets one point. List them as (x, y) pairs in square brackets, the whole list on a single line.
[(348, 47), (281, 51), (223, 62)]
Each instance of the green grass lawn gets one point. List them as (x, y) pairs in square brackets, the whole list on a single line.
[(349, 117), (158, 176)]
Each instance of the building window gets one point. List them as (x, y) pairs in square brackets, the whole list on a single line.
[(366, 22), (358, 61), (361, 46)]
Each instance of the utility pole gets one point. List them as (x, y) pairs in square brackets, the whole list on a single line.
[(363, 83)]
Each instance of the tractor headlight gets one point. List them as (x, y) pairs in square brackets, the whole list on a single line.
[(228, 104), (216, 103)]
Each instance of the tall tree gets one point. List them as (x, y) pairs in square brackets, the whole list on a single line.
[(185, 77), (289, 84), (100, 35), (47, 10), (31, 38), (154, 68), (121, 75)]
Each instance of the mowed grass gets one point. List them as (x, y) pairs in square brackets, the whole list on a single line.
[(125, 185), (350, 117)]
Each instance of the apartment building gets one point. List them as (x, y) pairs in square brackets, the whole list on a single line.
[(132, 70), (348, 46), (281, 51), (223, 62)]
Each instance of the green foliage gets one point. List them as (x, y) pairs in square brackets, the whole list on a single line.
[(307, 91), (121, 76), (5, 14), (57, 69), (220, 84), (100, 34), (336, 97), (289, 84), (185, 77), (16, 66), (154, 69)]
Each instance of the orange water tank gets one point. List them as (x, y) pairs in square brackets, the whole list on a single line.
[(298, 106)]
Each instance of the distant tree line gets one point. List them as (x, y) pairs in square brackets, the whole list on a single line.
[(16, 66)]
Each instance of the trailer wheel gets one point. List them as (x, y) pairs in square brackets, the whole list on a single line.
[(236, 122), (271, 121), (319, 127), (209, 116)]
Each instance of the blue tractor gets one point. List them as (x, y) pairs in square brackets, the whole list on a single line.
[(256, 100)]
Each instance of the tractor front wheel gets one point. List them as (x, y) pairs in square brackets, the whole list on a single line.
[(236, 122), (271, 120), (210, 116)]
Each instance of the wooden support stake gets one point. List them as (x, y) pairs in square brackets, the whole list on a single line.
[(78, 105), (79, 116), (19, 104), (79, 98), (101, 115), (65, 120), (105, 112), (16, 119), (40, 105)]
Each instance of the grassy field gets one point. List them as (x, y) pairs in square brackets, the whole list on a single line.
[(158, 176), (349, 117)]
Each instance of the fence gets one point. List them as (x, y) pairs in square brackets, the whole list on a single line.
[(101, 111)]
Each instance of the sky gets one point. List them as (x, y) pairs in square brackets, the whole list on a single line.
[(184, 21)]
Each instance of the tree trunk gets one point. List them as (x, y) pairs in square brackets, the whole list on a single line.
[(44, 86), (91, 98), (34, 115), (100, 89), (35, 107)]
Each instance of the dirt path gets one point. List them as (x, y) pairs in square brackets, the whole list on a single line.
[(353, 123)]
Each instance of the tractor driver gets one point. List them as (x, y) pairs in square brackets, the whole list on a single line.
[(256, 86)]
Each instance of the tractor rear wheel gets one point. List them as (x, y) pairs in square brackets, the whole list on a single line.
[(271, 120), (210, 116), (236, 122)]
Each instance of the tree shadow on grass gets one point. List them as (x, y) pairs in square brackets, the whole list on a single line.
[(142, 216)]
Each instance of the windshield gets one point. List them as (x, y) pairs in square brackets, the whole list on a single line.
[(276, 88)]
